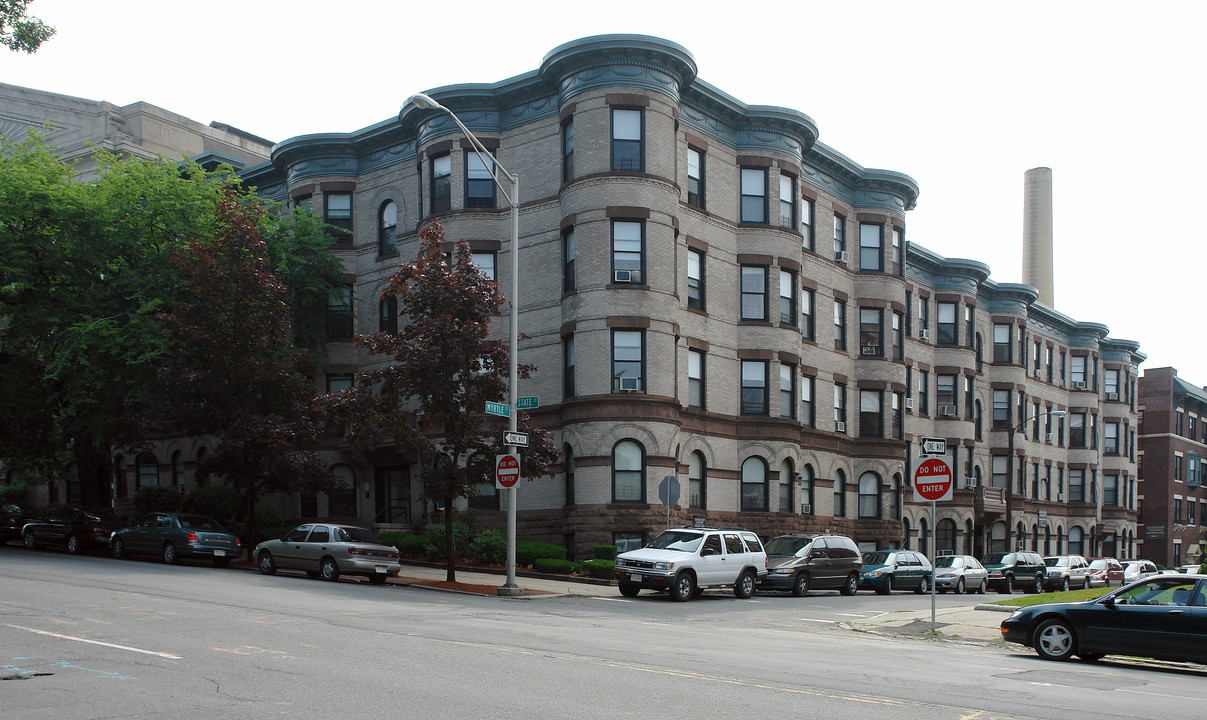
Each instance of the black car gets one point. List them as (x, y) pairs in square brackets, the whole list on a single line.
[(173, 536), (1163, 617), (12, 520), (72, 527), (805, 562)]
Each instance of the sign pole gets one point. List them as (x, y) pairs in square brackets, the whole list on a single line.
[(932, 569)]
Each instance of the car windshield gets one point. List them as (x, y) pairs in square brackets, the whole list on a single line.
[(677, 540), (1098, 565), (787, 545), (1056, 561), (357, 535), (998, 559), (200, 522), (877, 558), (949, 561)]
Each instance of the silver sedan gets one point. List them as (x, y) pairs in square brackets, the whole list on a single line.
[(329, 550), (961, 573)]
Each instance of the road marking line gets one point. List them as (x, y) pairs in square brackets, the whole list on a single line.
[(1164, 695), (611, 599), (831, 622), (165, 655)]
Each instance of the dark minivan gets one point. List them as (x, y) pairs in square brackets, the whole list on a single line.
[(1008, 570), (805, 562)]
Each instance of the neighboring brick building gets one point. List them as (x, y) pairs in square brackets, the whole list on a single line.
[(1173, 442)]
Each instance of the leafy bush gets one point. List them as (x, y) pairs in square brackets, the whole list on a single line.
[(220, 502), (391, 537), (13, 493), (527, 552), (413, 546), (462, 535), (156, 499), (489, 547), (553, 565), (269, 524), (604, 552), (599, 568)]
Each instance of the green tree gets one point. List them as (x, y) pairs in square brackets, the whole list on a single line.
[(18, 31), (430, 399)]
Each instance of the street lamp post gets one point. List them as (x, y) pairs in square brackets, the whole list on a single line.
[(423, 102), (1010, 474)]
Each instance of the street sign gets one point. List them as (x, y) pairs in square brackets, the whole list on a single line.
[(932, 481), (934, 446), (500, 409), (668, 490), (527, 403), (507, 471), (518, 439)]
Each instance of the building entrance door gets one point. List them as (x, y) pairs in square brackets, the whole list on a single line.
[(392, 487)]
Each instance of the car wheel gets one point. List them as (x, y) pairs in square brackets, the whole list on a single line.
[(629, 590), (222, 562), (800, 587), (118, 547), (923, 586), (1054, 640), (1087, 584), (169, 554), (267, 565), (378, 578), (329, 570), (982, 587), (887, 587), (960, 589), (1064, 585), (744, 587), (682, 587), (27, 537), (74, 546), (851, 586), (1038, 587)]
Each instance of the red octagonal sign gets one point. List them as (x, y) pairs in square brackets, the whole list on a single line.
[(507, 471), (932, 480)]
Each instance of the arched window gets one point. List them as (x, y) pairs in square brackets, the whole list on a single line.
[(787, 480), (806, 490), (1060, 540), (976, 418), (997, 537), (895, 498), (923, 538), (568, 452), (697, 481), (177, 469), (202, 480), (341, 501), (120, 490), (968, 548), (906, 540), (148, 470), (976, 476), (945, 537), (628, 472), (869, 495), (754, 485), (1020, 534), (1034, 538), (387, 223), (840, 494), (387, 314), (1076, 537), (1047, 541)]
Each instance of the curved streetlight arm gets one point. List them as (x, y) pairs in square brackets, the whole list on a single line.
[(425, 102), (1010, 468)]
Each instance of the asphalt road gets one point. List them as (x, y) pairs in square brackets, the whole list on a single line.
[(90, 637)]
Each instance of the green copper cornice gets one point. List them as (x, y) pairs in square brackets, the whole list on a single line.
[(639, 61)]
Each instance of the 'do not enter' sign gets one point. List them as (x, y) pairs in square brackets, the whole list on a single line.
[(932, 481)]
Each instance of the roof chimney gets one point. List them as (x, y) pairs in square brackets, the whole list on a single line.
[(1037, 232)]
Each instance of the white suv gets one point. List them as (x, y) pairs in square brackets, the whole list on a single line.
[(686, 561), (1067, 571)]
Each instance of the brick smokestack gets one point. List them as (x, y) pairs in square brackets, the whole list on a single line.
[(1037, 233)]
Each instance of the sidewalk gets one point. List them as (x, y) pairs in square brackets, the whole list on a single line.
[(486, 583), (973, 624)]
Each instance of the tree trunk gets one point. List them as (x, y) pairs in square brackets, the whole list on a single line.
[(95, 473), (252, 531), (450, 546)]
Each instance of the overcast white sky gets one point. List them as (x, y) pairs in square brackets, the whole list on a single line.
[(962, 96)]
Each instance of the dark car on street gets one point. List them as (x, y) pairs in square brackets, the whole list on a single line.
[(888, 570), (72, 527), (1009, 570), (803, 562), (1162, 617), (175, 536), (12, 519)]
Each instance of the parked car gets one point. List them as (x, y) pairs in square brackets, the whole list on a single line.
[(888, 570), (1008, 570), (686, 561), (69, 526), (1067, 571), (175, 536), (961, 573), (1158, 617), (12, 519), (804, 562), (1134, 570), (1105, 571), (329, 550)]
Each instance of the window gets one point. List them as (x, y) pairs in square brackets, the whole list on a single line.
[(568, 452), (568, 278), (695, 177), (869, 495), (898, 241), (695, 379), (787, 297), (628, 472), (1001, 409), (871, 332), (787, 390), (147, 470), (568, 375), (1077, 430), (806, 314), (840, 237), (754, 292), (695, 279), (628, 143), (871, 246), (754, 195), (387, 225), (1001, 343), (568, 150), (442, 171), (485, 262), (697, 481), (898, 336), (840, 325), (754, 485), (338, 212), (945, 394), (1035, 359), (787, 201), (338, 382), (871, 418), (898, 415), (485, 495), (339, 313), (1110, 490), (1077, 374), (923, 315), (923, 392), (628, 251), (754, 387), (1076, 485), (628, 360), (304, 203), (177, 470), (807, 412), (787, 480), (1111, 387), (806, 490), (840, 494), (1048, 362), (1110, 444), (479, 180), (806, 224), (387, 315), (625, 542), (840, 407), (1000, 477), (947, 323)]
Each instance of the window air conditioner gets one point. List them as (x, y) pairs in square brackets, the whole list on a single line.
[(948, 410), (1112, 396), (871, 349), (623, 276), (1036, 371), (806, 509), (1079, 385), (630, 384), (969, 481), (909, 403), (840, 426), (1048, 437), (843, 257), (924, 334), (1060, 497)]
